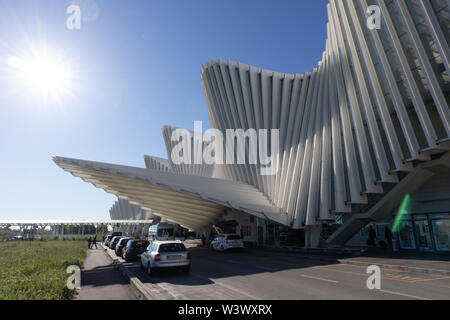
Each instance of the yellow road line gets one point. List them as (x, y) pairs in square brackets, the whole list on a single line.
[(407, 278), (365, 267), (359, 274), (388, 269), (433, 279)]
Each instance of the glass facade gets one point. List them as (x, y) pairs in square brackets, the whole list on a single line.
[(425, 232), (406, 235)]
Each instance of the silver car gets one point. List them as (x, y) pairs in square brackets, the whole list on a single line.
[(165, 255)]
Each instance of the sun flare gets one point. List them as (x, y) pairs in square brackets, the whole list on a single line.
[(46, 75)]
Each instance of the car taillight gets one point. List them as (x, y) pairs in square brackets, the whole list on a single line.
[(188, 255), (158, 257)]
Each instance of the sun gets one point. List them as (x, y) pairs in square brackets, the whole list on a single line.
[(48, 76)]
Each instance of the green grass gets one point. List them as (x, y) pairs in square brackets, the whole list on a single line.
[(37, 270)]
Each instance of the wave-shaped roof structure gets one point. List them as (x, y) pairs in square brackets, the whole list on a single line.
[(374, 108)]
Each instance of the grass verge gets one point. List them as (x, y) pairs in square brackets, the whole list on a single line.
[(37, 270)]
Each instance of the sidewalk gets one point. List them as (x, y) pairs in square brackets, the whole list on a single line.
[(101, 280)]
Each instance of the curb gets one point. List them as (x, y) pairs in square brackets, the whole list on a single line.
[(137, 287), (134, 283)]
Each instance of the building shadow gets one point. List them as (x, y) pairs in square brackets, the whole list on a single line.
[(102, 276), (208, 265)]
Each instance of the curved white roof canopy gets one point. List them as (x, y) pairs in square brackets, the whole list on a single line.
[(123, 209), (191, 201)]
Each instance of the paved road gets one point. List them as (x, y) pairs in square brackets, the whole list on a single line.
[(264, 275), (101, 280)]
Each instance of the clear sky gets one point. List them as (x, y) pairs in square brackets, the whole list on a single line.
[(135, 66)]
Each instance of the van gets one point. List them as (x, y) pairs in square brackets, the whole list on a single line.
[(162, 232)]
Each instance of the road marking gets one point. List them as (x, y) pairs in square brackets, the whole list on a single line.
[(401, 278), (384, 266), (365, 267), (258, 267), (348, 272), (405, 295), (386, 277), (321, 279), (221, 284), (432, 279)]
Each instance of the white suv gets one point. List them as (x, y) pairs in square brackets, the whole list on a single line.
[(226, 242)]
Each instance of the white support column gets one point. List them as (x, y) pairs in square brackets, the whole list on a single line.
[(312, 236)]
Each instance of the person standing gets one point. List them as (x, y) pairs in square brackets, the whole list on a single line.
[(372, 237), (203, 239), (388, 236), (89, 242)]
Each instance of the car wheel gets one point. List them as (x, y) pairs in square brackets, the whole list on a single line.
[(222, 249), (186, 270)]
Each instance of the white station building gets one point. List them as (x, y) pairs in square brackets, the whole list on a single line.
[(368, 126)]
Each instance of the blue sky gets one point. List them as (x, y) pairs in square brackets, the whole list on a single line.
[(136, 68)]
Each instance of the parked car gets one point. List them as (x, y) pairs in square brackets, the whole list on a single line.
[(113, 243), (227, 242), (120, 245), (163, 255), (134, 248), (108, 240), (16, 238)]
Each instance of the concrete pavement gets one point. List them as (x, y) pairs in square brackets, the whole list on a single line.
[(100, 280), (422, 263), (254, 275)]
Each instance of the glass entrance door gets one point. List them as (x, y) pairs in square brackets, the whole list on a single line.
[(423, 235), (441, 229)]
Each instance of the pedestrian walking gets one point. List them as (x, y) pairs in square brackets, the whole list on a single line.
[(94, 243)]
